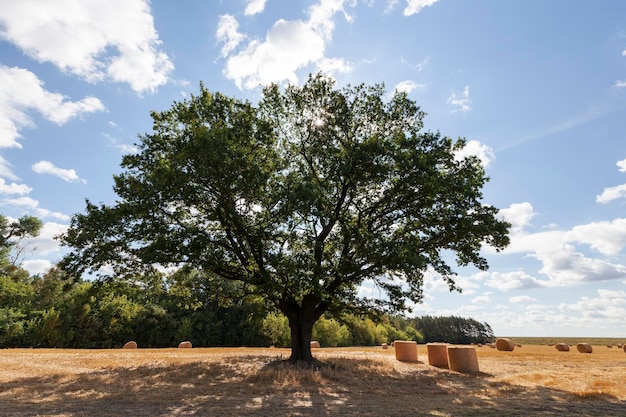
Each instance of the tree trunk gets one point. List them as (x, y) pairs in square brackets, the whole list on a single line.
[(301, 320)]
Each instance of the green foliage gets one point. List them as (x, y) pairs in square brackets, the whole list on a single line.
[(453, 329), (299, 200), (276, 328), (331, 333)]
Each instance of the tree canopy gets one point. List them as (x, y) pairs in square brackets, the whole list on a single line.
[(11, 232), (301, 199)]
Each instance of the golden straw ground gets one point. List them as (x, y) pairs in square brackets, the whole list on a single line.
[(535, 380)]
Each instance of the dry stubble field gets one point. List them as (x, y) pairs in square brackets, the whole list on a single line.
[(531, 380)]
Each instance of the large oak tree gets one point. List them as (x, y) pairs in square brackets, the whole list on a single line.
[(301, 198)]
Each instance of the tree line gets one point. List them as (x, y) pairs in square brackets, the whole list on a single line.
[(56, 311)]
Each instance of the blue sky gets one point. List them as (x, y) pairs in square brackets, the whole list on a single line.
[(537, 87)]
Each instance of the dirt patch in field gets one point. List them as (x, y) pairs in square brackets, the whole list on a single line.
[(535, 380)]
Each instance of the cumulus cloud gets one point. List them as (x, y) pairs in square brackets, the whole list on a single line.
[(13, 188), (609, 305), (521, 299), (562, 263), (22, 92), (289, 46), (460, 103), (416, 6), (32, 206), (254, 7), (475, 148), (79, 37), (45, 243), (408, 86), (613, 193), (47, 167), (228, 33), (608, 237), (516, 280), (519, 215)]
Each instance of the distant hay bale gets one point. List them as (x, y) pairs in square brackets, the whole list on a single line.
[(619, 346), (562, 347), (184, 345), (518, 345), (315, 344), (406, 350), (609, 346), (437, 354), (584, 348), (130, 345), (463, 359), (385, 346), (505, 345), (492, 345)]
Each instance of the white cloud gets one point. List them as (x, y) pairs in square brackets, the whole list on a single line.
[(330, 66), (37, 266), (475, 148), (481, 299), (619, 84), (415, 6), (45, 243), (408, 86), (254, 7), (561, 262), (228, 33), (519, 215), (516, 280), (612, 193), (420, 66), (609, 305), (521, 299), (47, 167), (608, 237), (14, 188), (78, 37), (461, 103), (6, 170), (32, 206), (23, 91), (289, 46)]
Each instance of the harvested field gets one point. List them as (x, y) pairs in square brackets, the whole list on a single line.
[(533, 380)]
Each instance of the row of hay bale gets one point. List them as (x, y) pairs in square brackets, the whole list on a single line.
[(182, 345), (442, 355), (583, 347)]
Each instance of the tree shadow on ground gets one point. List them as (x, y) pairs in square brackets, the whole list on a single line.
[(248, 386)]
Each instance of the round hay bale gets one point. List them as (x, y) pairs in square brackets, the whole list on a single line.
[(437, 354), (385, 346), (315, 344), (406, 350), (619, 346), (463, 359), (184, 345), (624, 348), (584, 348), (505, 345), (562, 347), (130, 345)]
